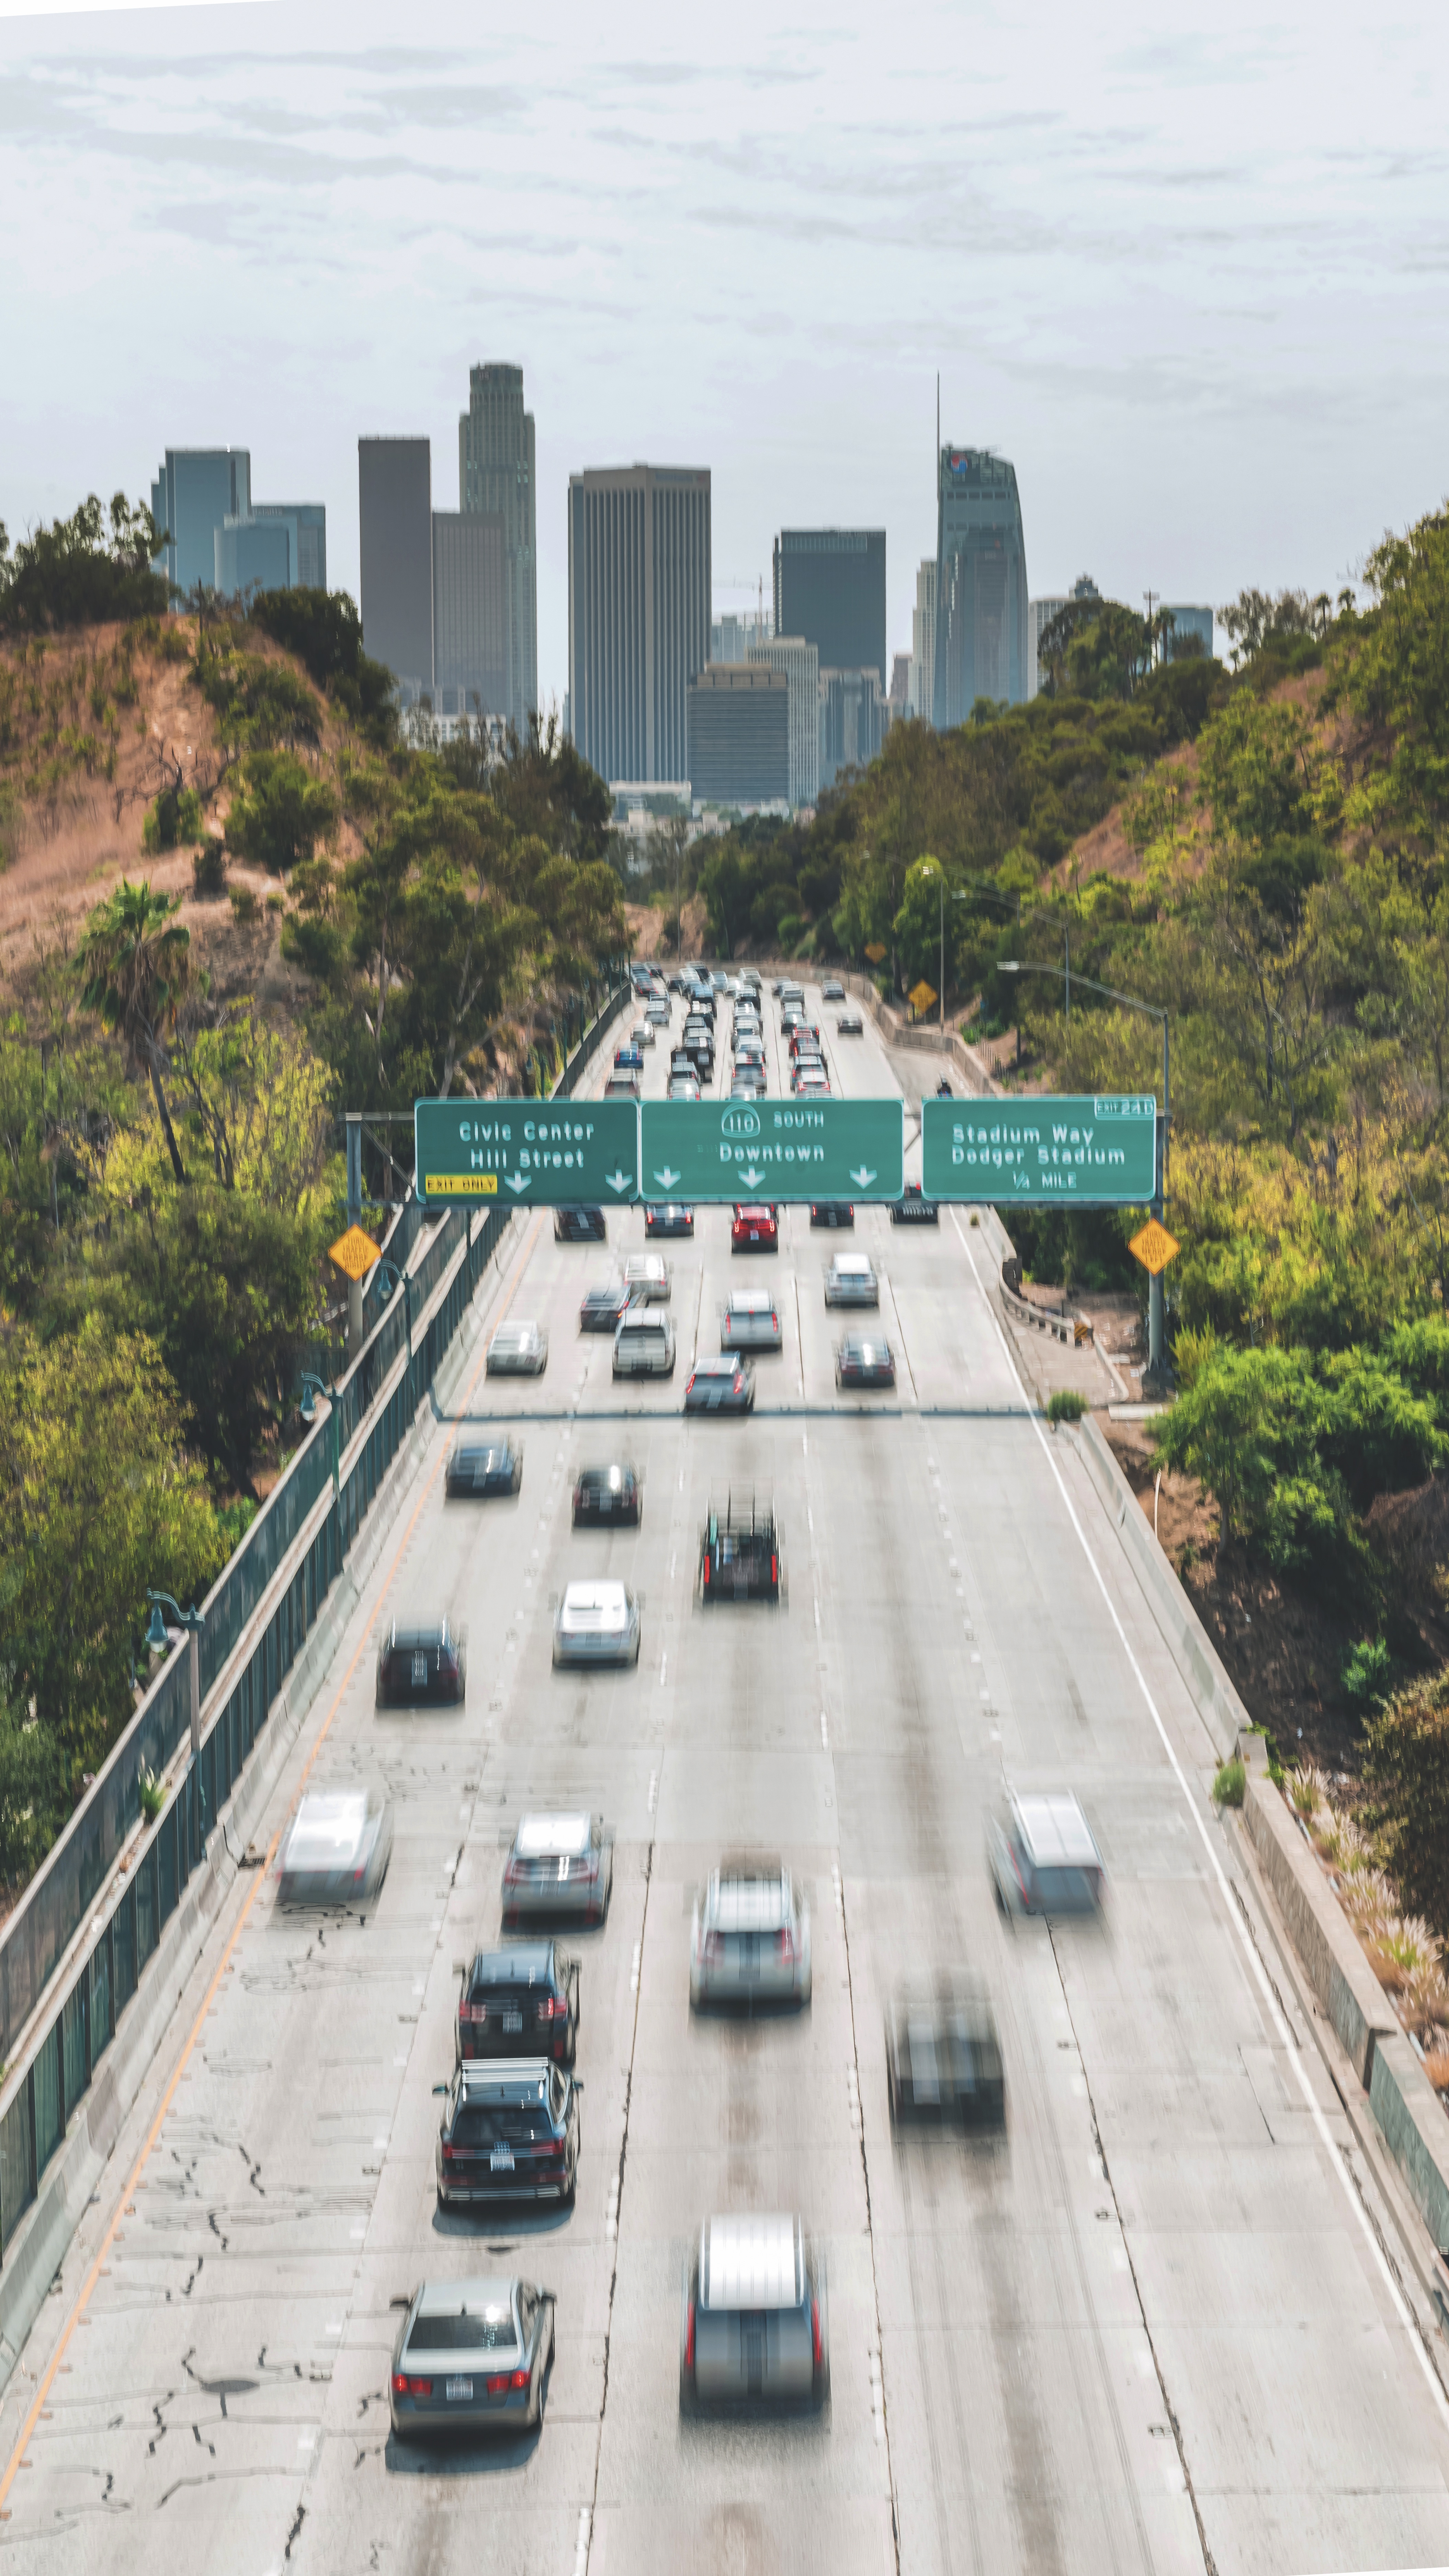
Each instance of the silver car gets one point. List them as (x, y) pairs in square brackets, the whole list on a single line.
[(647, 1278), (851, 1281), (336, 1848), (1043, 1856), (596, 1623), (754, 2330), (559, 1865), (750, 1939), (750, 1321), (518, 1350), (471, 2357)]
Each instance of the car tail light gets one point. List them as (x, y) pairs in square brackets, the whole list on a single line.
[(548, 2008), (689, 2337), (774, 1569), (451, 2155), (815, 2339), (706, 1570), (500, 2381), (774, 1321), (404, 2385), (689, 1386), (787, 1946), (513, 1869)]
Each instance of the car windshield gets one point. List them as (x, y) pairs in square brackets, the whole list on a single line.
[(606, 1480), (542, 1837), (749, 1301), (716, 1368), (329, 1826), (418, 1641), (749, 1904), (491, 2331)]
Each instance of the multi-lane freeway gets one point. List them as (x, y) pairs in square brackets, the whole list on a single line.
[(1154, 2329)]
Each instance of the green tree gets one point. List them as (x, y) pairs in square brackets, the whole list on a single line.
[(134, 963), (78, 573), (281, 814)]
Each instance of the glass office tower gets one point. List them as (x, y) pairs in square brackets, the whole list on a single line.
[(981, 612)]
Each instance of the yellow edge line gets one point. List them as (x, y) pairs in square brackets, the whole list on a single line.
[(73, 2320)]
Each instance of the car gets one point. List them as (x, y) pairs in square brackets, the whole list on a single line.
[(656, 1012), (750, 1939), (422, 1667), (750, 1321), (724, 1385), (520, 2001), (832, 1212), (600, 1308), (747, 1086), (914, 1208), (832, 990), (864, 1360), (755, 1228), (596, 1622), (336, 1849), (851, 1281), (683, 1087), (471, 2357), (622, 1086), (804, 1037), (943, 2056), (647, 1278), (749, 1052), (509, 2132), (629, 1058), (1044, 1859), (811, 1085), (740, 1554), (484, 1466), (643, 1035), (559, 1865), (579, 1225), (678, 983), (644, 1343), (754, 2329), (681, 1062), (849, 1025), (612, 1493), (669, 1216), (518, 1350)]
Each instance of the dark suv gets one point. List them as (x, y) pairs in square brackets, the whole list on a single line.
[(509, 2132), (520, 2001), (422, 1668)]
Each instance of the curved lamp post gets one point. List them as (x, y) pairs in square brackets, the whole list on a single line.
[(312, 1387), (193, 1621)]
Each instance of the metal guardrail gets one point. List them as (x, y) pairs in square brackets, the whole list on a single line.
[(55, 1904)]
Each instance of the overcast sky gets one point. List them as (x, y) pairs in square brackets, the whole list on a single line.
[(1193, 283)]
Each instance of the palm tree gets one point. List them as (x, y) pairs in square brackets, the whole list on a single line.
[(135, 958)]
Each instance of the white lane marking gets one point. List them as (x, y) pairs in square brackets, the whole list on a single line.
[(653, 1789), (611, 2214), (634, 1969), (306, 2441), (817, 1614), (581, 2546), (810, 1516), (1256, 1968), (663, 1660), (673, 1562), (805, 1444), (824, 1731)]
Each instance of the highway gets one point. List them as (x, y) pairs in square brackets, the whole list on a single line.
[(1150, 2330)]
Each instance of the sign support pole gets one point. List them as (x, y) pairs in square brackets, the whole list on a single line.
[(1157, 1370)]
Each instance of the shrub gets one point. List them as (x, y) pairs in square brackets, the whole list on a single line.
[(1366, 1672), (1067, 1405), (208, 869), (1406, 1762), (1230, 1784), (245, 907), (174, 819), (152, 1791)]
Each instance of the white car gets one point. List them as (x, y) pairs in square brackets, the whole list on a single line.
[(750, 1321), (657, 1013), (646, 1276), (558, 1865), (596, 1623), (1043, 1855), (644, 1034), (518, 1350), (851, 1281), (336, 1849), (750, 1941)]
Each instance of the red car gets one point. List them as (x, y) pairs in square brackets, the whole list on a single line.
[(755, 1229)]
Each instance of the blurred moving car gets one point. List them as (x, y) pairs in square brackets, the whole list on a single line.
[(750, 1941), (600, 1308), (943, 2056), (913, 1208), (670, 1216), (596, 1623), (422, 1667), (643, 1035), (579, 1225), (750, 1321), (509, 2132), (521, 2001), (755, 1229), (629, 1057), (656, 1012), (832, 1212), (336, 1849), (724, 1385), (755, 2327), (559, 1865), (740, 1556), (832, 990), (644, 1343), (851, 1281), (518, 1350), (612, 1493), (862, 1360), (647, 1278), (849, 1025), (683, 1086), (1043, 1857), (471, 2357), (621, 1085), (484, 1466)]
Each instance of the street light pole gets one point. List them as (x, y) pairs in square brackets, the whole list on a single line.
[(312, 1387), (193, 1621)]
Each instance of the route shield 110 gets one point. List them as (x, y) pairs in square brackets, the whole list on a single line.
[(772, 1149), (530, 1153), (1096, 1153)]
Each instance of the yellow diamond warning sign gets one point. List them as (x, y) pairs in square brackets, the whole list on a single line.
[(922, 997), (1154, 1246), (354, 1252)]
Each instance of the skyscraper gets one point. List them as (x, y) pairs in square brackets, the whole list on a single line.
[(830, 587), (496, 474), (395, 496), (639, 603), (739, 734), (196, 490), (923, 642), (852, 722), (800, 663), (472, 613), (980, 585)]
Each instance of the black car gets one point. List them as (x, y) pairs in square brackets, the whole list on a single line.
[(509, 2132), (832, 1212), (484, 1467), (914, 1208), (579, 1225), (864, 1360), (670, 1218), (740, 1557), (943, 2057), (422, 1668), (522, 2001), (611, 1493), (601, 1308), (681, 1061)]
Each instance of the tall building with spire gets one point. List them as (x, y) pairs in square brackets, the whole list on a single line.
[(496, 476), (981, 610)]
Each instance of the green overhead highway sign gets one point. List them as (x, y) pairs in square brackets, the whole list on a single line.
[(1098, 1153), (771, 1149), (533, 1153)]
